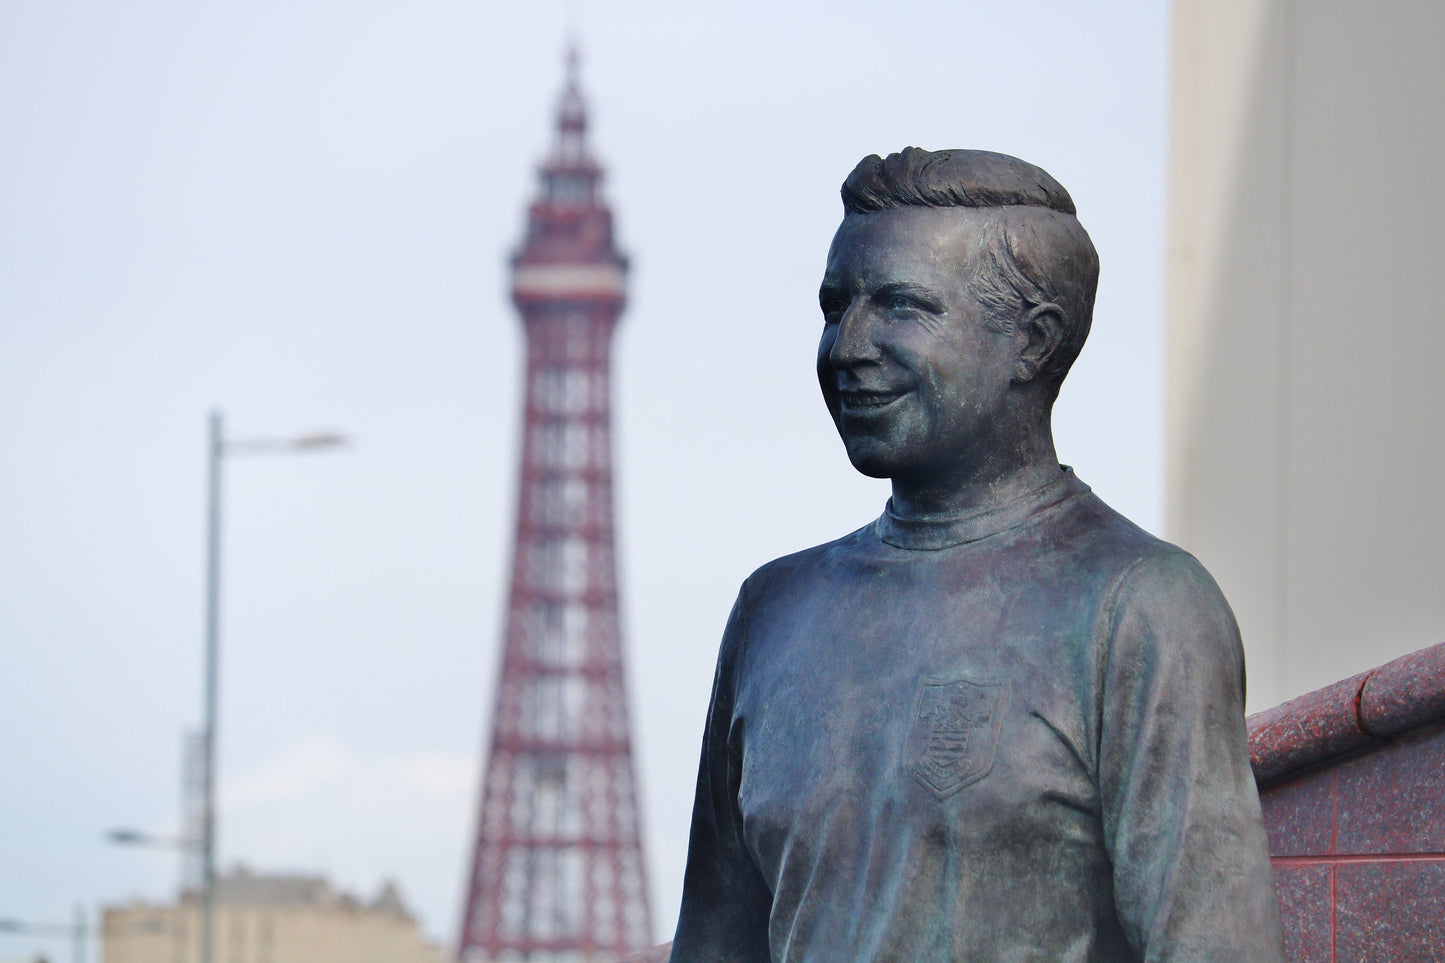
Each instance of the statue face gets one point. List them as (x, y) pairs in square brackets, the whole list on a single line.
[(914, 380)]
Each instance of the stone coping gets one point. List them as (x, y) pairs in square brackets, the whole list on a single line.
[(1348, 716)]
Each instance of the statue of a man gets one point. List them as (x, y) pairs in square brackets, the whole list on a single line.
[(1001, 722)]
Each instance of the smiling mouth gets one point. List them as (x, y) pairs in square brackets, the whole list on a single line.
[(863, 402)]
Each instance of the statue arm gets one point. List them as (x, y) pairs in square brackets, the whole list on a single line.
[(725, 900), (1192, 876)]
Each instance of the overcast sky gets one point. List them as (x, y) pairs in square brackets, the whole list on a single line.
[(301, 212)]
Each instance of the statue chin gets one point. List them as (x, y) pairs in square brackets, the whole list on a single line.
[(889, 456), (872, 453), (868, 460)]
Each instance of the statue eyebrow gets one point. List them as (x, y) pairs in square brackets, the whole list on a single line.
[(925, 297)]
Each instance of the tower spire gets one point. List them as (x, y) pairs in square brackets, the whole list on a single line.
[(572, 112), (557, 870)]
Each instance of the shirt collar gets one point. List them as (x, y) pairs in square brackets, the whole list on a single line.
[(933, 534)]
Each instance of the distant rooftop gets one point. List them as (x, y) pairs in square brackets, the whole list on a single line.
[(243, 886)]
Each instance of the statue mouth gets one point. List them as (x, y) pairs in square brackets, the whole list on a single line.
[(861, 402)]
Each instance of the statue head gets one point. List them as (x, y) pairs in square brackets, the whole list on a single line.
[(959, 290)]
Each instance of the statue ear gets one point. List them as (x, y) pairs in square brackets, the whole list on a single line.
[(1040, 332)]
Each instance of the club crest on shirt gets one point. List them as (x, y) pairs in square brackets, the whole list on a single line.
[(954, 737)]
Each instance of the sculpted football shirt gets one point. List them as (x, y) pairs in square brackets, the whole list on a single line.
[(1014, 736)]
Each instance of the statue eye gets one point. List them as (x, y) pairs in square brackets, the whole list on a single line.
[(908, 299), (833, 309)]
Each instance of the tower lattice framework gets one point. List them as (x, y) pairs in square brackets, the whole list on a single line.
[(557, 871)]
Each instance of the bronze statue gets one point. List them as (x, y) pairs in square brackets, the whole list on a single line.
[(1000, 722)]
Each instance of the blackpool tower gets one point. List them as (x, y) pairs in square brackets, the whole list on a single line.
[(557, 869)]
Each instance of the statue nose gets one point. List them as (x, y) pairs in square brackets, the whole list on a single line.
[(854, 344)]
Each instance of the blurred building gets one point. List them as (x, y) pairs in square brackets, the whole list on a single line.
[(270, 919), (1306, 339)]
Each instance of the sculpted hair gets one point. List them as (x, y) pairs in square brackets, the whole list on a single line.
[(1035, 251)]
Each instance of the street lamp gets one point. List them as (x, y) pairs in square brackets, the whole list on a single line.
[(136, 837), (217, 448), (74, 931)]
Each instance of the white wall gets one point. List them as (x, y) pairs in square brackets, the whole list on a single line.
[(1306, 238)]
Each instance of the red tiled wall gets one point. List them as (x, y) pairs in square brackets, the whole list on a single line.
[(1359, 855)]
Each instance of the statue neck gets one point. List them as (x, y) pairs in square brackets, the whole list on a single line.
[(1006, 471)]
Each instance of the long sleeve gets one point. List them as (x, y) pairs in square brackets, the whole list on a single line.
[(725, 901), (1192, 877)]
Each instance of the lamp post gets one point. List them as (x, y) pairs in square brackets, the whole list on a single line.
[(217, 448)]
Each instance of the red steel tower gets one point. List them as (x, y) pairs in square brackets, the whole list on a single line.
[(557, 870)]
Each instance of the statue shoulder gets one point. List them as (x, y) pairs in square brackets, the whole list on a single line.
[(816, 564), (1142, 575)]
